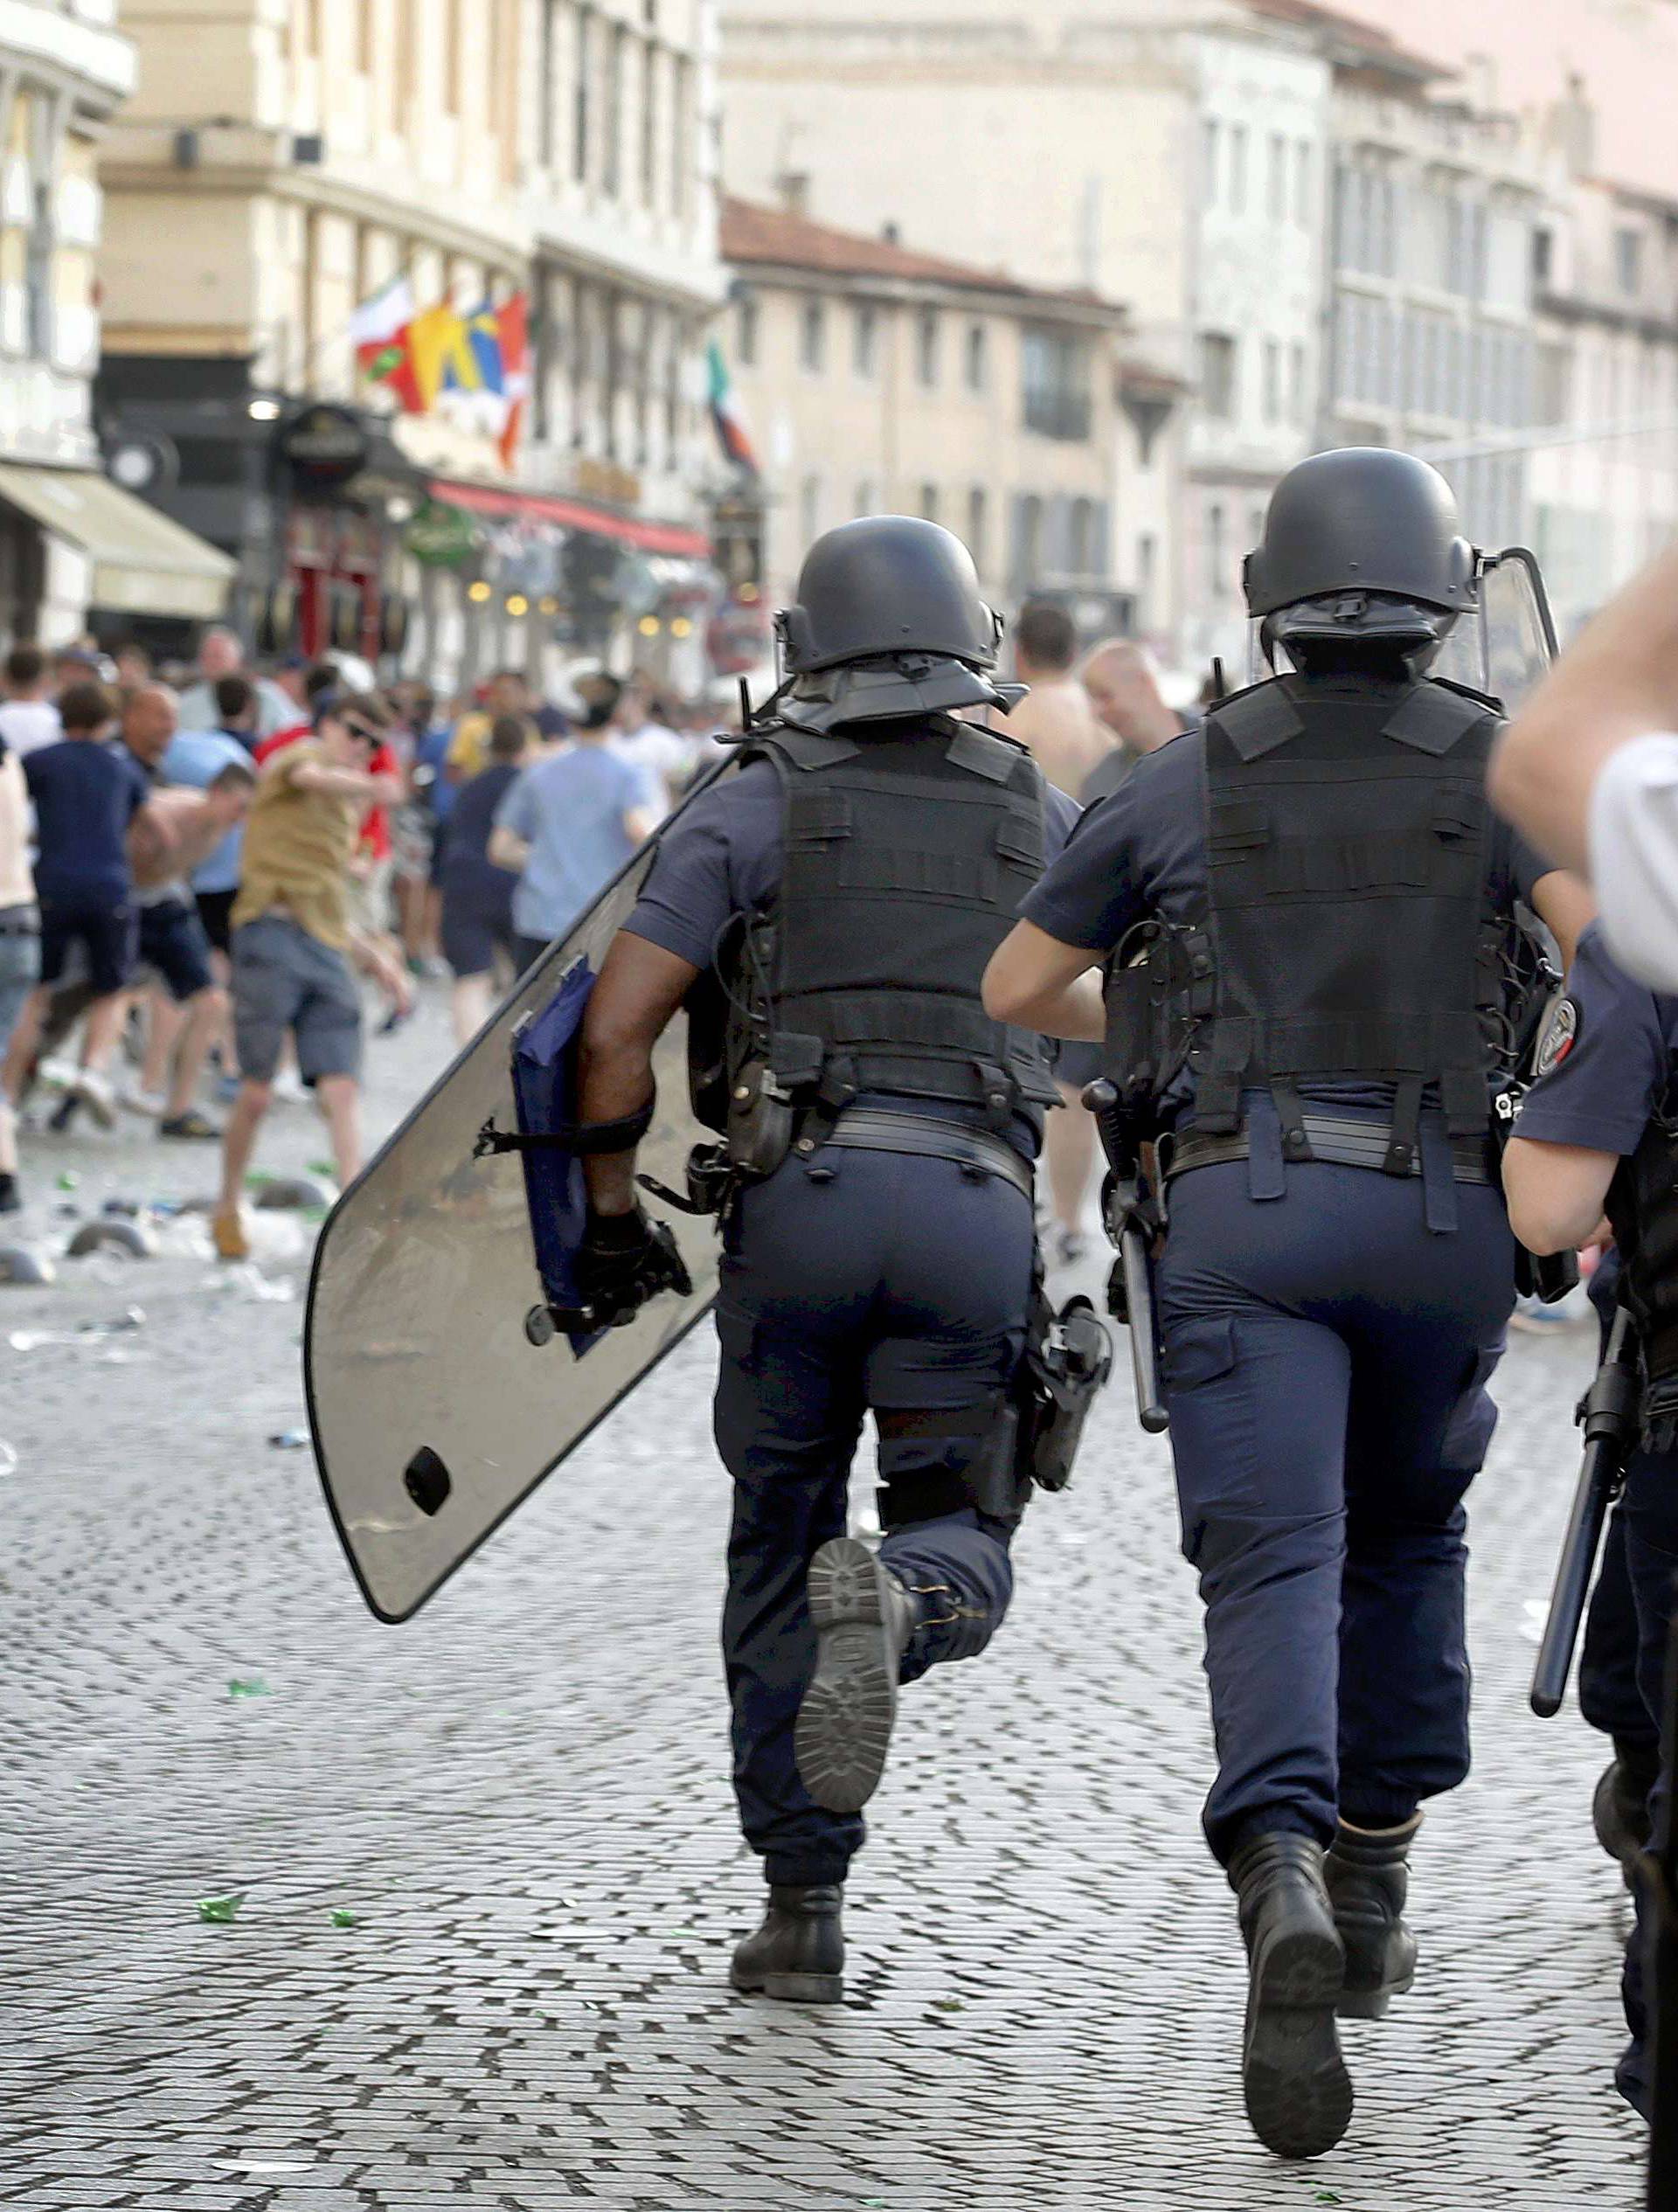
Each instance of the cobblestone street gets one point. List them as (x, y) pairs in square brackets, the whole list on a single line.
[(521, 1799)]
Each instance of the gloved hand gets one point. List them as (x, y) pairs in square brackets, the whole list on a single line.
[(625, 1260)]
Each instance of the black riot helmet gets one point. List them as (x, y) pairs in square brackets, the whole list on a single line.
[(889, 622), (1363, 543)]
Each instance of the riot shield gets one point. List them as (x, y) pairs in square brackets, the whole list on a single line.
[(434, 1411), (1507, 646)]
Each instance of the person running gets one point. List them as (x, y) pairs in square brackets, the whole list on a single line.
[(91, 810), (478, 933), (293, 941)]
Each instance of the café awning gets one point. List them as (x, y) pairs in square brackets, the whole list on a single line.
[(143, 562)]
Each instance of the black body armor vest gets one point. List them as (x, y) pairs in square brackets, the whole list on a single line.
[(1348, 933), (906, 857), (1643, 1209)]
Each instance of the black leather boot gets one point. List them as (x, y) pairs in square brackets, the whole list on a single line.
[(798, 1954), (864, 1619), (1298, 2092), (1619, 1812), (1368, 1873)]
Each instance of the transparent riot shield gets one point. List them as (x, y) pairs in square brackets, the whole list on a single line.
[(1507, 644), (434, 1409)]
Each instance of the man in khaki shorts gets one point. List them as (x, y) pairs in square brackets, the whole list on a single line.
[(293, 941)]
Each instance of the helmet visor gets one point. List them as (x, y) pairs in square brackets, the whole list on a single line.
[(1505, 647)]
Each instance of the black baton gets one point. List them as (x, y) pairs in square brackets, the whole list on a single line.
[(1609, 1415)]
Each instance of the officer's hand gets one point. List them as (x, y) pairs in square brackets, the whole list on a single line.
[(625, 1260)]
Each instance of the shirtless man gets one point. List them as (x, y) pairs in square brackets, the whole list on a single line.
[(1059, 726)]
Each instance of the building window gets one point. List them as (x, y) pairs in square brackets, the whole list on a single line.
[(978, 526), (809, 510), (454, 54), (582, 150), (616, 84), (681, 119), (366, 39), (1543, 256), (38, 277), (977, 356), (649, 124), (1147, 561), (1210, 136), (813, 337), (1277, 201), (1299, 405), (1028, 543), (1056, 371), (1218, 368), (746, 319), (867, 498), (929, 501), (1273, 381), (927, 338), (1215, 552), (1238, 169), (1551, 395), (1628, 261), (1302, 181), (865, 340), (1080, 530)]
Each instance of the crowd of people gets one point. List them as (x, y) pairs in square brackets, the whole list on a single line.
[(200, 867)]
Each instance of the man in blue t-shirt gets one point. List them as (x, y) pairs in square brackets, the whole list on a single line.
[(91, 799), (567, 826)]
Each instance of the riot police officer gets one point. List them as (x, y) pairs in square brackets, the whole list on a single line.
[(826, 915), (1304, 909), (1598, 1134)]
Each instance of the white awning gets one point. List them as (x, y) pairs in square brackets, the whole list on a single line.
[(143, 562)]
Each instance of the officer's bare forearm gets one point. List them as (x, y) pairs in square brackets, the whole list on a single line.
[(629, 1009), (1618, 683), (1036, 982)]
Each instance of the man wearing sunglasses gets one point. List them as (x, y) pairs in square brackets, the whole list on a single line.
[(292, 940)]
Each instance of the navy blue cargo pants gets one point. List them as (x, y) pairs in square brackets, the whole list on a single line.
[(864, 1282), (1325, 1358), (1650, 1508)]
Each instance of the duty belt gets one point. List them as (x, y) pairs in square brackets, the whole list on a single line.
[(975, 1151), (19, 921), (1342, 1144)]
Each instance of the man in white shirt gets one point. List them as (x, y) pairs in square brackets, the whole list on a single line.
[(640, 738), (28, 718), (1587, 770)]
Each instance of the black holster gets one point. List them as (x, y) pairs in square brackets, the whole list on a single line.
[(1068, 1362)]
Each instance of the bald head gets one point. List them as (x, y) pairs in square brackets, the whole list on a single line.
[(150, 716), (1124, 693)]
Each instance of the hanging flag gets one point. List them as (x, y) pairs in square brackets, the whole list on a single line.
[(483, 336), (442, 355), (725, 413), (513, 342), (380, 330)]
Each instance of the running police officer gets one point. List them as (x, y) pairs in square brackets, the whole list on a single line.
[(838, 899), (1309, 904), (1598, 1132)]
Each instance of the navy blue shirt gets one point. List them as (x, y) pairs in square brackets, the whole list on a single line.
[(721, 857), (86, 796), (1609, 1048), (1142, 853), (464, 868)]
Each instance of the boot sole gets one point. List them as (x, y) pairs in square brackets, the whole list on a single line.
[(795, 1989), (1299, 2094), (844, 1725)]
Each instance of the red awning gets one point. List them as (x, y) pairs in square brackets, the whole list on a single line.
[(674, 538)]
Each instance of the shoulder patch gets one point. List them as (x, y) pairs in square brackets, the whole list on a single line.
[(1561, 1035)]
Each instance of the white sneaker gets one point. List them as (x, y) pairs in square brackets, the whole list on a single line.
[(288, 1089), (133, 1099), (97, 1096), (58, 1074)]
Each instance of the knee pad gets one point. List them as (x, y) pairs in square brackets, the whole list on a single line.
[(937, 1461)]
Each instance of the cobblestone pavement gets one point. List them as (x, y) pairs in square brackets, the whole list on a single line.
[(521, 1798)]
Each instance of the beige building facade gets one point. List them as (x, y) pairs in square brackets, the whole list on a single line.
[(69, 541), (874, 379), (473, 151)]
